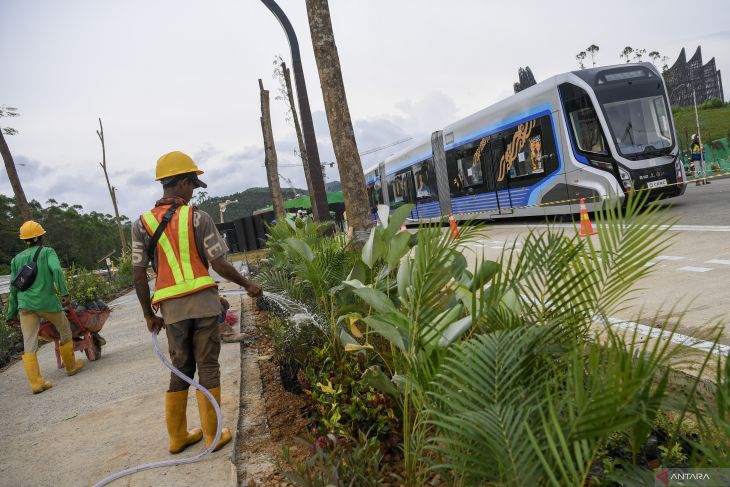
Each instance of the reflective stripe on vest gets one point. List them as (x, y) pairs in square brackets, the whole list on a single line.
[(182, 271)]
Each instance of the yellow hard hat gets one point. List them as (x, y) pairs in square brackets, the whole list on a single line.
[(31, 229), (174, 163)]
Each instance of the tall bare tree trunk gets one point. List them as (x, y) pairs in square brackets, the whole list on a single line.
[(20, 199), (338, 115), (112, 193), (271, 162), (300, 138)]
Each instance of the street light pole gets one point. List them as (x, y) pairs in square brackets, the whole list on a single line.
[(320, 208)]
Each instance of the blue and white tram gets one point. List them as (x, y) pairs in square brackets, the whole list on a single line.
[(593, 134)]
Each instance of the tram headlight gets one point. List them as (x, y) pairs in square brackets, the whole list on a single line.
[(625, 179)]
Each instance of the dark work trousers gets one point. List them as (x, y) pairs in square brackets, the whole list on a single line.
[(194, 343)]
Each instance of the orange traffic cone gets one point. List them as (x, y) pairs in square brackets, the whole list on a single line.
[(585, 222), (453, 227)]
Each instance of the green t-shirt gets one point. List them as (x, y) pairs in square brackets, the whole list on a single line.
[(42, 295)]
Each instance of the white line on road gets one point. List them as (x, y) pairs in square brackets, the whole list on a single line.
[(678, 338), (669, 257), (676, 228), (718, 261), (695, 269)]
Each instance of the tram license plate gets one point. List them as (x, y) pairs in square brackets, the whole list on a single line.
[(656, 184)]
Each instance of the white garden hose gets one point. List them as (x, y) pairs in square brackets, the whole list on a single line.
[(182, 461)]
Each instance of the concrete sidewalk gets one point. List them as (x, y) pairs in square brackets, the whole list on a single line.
[(109, 417)]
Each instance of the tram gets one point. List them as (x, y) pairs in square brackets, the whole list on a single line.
[(594, 134)]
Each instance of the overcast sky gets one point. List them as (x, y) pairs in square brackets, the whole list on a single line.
[(182, 75)]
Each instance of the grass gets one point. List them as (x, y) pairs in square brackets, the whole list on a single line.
[(251, 256), (714, 123)]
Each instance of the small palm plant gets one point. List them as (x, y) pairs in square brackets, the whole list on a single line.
[(533, 398)]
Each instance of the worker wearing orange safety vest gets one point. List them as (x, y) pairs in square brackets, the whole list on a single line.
[(187, 242)]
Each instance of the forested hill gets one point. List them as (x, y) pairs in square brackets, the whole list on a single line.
[(248, 200), (79, 237)]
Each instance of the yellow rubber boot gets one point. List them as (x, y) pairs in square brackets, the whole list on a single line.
[(72, 364), (209, 420), (32, 370), (176, 404)]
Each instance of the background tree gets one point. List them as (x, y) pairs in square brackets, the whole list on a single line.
[(57, 218), (271, 161), (654, 56), (20, 198), (286, 94), (593, 51), (352, 177), (580, 57), (112, 190), (665, 61), (639, 54), (626, 53)]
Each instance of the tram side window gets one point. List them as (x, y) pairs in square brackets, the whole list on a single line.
[(583, 120), (425, 180), (400, 188), (465, 169), (377, 193)]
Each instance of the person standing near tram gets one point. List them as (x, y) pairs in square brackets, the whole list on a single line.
[(698, 160)]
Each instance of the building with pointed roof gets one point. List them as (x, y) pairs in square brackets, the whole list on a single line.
[(685, 75)]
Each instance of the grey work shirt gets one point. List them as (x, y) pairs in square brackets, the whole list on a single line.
[(208, 241)]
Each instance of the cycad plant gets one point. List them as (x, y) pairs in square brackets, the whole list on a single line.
[(533, 398)]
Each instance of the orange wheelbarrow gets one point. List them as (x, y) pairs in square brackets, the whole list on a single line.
[(85, 328)]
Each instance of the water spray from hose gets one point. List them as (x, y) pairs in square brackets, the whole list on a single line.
[(182, 461)]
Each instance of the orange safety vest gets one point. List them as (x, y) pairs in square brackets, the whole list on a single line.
[(180, 270)]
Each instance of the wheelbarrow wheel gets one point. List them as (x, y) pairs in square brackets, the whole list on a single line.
[(96, 343)]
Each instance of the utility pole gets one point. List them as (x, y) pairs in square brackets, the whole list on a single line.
[(112, 192), (271, 160), (320, 208)]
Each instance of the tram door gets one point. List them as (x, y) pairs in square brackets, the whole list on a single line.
[(500, 188)]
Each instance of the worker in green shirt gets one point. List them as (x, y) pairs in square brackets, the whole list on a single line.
[(40, 301)]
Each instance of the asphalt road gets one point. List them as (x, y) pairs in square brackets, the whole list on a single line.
[(702, 205)]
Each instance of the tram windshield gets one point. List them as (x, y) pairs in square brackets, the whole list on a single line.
[(640, 127)]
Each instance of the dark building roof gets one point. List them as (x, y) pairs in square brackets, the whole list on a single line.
[(684, 76)]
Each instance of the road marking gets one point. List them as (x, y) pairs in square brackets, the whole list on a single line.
[(496, 247), (652, 332), (669, 257), (718, 261), (694, 269), (676, 228), (678, 338)]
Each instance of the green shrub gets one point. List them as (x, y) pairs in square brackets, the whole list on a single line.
[(11, 340), (712, 103), (343, 404), (85, 286), (124, 277), (338, 462)]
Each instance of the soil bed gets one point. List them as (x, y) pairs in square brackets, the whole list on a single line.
[(284, 412)]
